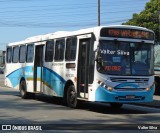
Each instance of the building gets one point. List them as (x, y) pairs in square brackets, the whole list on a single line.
[(2, 58)]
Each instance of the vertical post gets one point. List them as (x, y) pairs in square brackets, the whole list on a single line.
[(159, 26), (99, 13)]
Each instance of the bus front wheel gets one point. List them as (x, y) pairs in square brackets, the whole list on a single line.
[(116, 105), (71, 97)]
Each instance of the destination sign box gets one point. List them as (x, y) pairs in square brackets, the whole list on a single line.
[(127, 33)]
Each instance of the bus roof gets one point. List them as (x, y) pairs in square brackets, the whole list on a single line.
[(61, 34)]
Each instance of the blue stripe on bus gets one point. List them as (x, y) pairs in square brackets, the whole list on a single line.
[(14, 77), (12, 72), (54, 73), (54, 80)]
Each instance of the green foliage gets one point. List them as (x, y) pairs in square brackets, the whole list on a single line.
[(149, 18)]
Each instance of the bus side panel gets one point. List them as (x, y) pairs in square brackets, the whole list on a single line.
[(52, 80), (28, 75), (13, 75)]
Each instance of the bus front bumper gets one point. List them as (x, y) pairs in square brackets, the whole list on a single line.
[(103, 95)]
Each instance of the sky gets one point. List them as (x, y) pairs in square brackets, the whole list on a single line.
[(20, 19)]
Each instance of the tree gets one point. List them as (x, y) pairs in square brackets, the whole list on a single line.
[(149, 18)]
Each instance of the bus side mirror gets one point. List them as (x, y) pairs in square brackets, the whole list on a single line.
[(99, 59)]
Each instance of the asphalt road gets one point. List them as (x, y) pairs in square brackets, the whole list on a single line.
[(49, 110)]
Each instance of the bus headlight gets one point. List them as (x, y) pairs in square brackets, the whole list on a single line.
[(110, 88), (149, 88), (105, 86)]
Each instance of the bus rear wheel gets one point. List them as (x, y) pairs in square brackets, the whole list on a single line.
[(71, 97), (23, 88)]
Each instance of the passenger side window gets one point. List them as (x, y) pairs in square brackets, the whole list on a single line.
[(9, 55), (15, 54), (22, 58), (71, 46), (59, 50), (49, 51), (30, 53)]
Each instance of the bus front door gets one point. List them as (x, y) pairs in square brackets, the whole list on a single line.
[(83, 66), (38, 68)]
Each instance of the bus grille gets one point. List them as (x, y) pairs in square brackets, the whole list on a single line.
[(129, 80), (129, 89)]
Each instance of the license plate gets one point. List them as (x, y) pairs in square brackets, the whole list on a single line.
[(130, 97)]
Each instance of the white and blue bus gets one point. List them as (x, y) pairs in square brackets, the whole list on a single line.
[(112, 64)]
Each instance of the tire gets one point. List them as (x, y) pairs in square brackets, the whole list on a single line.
[(31, 95), (23, 89), (157, 89), (71, 97), (116, 105)]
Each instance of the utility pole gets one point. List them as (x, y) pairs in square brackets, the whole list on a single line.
[(159, 25), (99, 17)]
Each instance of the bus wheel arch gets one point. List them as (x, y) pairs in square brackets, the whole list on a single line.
[(70, 95), (23, 90)]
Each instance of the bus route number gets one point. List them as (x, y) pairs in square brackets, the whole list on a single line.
[(112, 68)]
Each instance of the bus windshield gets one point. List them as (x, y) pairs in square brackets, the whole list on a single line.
[(125, 58)]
